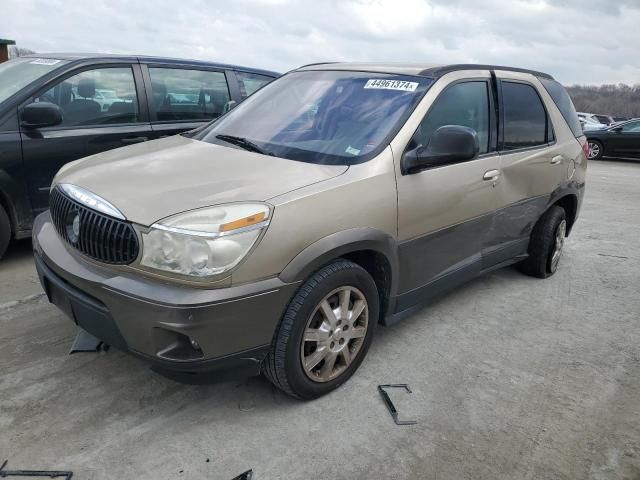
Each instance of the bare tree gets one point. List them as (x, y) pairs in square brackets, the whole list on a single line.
[(15, 51), (617, 100)]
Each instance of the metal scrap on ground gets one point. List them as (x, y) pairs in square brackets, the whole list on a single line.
[(390, 406), (34, 473)]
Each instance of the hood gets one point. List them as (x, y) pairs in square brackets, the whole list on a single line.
[(153, 180)]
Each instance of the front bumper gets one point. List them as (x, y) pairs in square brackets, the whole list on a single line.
[(176, 328)]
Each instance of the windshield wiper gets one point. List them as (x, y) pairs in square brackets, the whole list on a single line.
[(243, 143)]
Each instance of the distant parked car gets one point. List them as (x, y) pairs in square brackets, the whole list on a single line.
[(61, 107), (620, 140), (606, 119)]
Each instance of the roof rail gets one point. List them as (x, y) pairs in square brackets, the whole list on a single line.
[(444, 69), (314, 64)]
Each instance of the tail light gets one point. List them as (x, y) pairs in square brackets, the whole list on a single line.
[(585, 146)]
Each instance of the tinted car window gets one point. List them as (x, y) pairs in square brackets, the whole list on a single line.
[(465, 104), (95, 97), (563, 101), (525, 119), (250, 82), (631, 127), (195, 95)]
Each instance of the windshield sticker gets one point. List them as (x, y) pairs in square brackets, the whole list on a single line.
[(391, 85), (352, 151), (44, 61)]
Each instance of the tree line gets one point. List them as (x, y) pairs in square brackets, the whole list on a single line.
[(617, 100)]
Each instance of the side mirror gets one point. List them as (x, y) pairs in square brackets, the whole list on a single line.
[(449, 144), (41, 114), (616, 129)]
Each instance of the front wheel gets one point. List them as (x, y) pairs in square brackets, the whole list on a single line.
[(596, 150), (325, 332)]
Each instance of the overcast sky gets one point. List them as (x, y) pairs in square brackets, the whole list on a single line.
[(577, 41)]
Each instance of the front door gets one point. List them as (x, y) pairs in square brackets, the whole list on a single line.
[(626, 141), (101, 111), (444, 212)]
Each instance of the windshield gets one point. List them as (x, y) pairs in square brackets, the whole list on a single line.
[(20, 72), (324, 117)]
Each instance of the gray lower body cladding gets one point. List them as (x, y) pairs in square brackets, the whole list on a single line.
[(174, 327)]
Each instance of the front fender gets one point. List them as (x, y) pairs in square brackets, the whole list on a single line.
[(339, 244)]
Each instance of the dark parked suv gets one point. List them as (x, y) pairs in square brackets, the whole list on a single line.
[(62, 107)]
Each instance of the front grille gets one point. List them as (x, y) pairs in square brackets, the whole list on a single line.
[(95, 234)]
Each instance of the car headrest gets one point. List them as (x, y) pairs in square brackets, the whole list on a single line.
[(87, 88), (159, 89)]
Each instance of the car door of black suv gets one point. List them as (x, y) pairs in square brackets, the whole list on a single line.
[(103, 107)]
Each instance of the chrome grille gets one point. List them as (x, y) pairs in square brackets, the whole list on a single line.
[(99, 236)]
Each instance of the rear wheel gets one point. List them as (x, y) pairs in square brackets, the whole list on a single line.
[(596, 150), (5, 231), (546, 244), (325, 332)]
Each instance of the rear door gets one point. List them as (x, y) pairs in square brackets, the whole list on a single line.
[(626, 141), (103, 108), (531, 163), (184, 97)]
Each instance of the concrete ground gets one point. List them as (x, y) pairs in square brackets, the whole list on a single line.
[(512, 378)]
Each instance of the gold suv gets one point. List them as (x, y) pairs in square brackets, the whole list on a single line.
[(335, 198)]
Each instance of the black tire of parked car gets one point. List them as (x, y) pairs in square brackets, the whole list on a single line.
[(5, 231), (600, 149), (283, 365), (542, 244)]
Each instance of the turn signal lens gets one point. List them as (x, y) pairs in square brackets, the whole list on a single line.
[(243, 222)]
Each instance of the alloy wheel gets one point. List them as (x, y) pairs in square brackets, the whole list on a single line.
[(594, 150), (558, 244), (334, 334)]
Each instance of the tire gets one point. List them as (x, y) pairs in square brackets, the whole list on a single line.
[(327, 341), (545, 245), (596, 149), (5, 231)]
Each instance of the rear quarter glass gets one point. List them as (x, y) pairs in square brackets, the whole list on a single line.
[(563, 101)]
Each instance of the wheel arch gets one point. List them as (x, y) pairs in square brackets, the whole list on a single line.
[(569, 202), (16, 203), (372, 249)]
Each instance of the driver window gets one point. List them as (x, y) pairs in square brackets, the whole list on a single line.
[(465, 104), (95, 97), (631, 127)]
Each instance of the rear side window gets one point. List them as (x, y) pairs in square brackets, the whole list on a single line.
[(525, 119), (188, 95), (565, 105), (250, 82)]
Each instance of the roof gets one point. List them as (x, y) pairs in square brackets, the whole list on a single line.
[(420, 69), (144, 58), (4, 41)]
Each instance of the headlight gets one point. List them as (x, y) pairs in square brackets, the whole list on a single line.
[(206, 242)]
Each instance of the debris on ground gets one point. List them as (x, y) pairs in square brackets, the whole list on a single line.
[(33, 473), (390, 406)]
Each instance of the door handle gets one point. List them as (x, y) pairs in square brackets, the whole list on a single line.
[(491, 175), (130, 140), (557, 160)]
